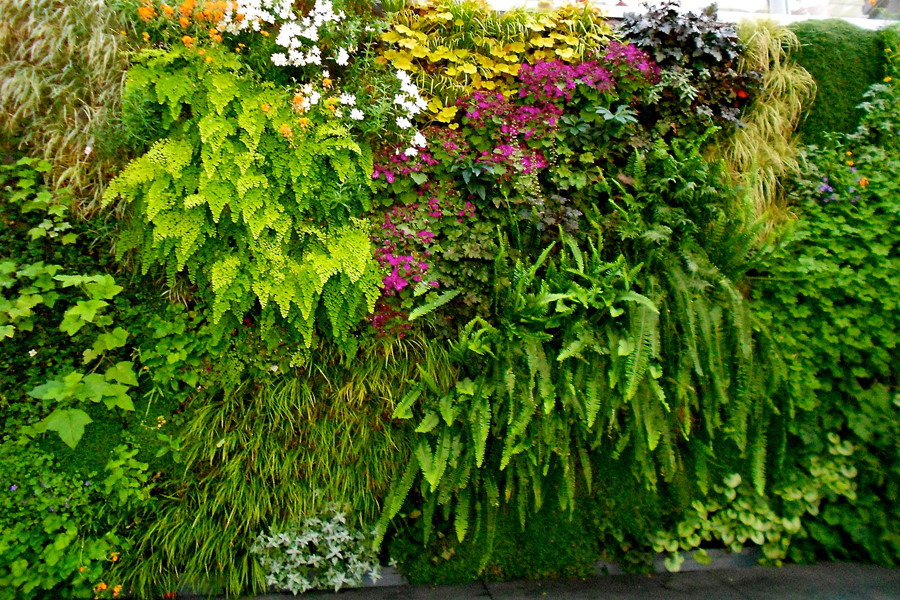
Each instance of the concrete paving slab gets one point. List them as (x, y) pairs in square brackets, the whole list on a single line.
[(690, 586), (827, 581)]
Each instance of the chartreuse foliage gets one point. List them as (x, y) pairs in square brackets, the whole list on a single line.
[(254, 202), (764, 151), (457, 47)]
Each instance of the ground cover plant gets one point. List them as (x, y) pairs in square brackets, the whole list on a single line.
[(415, 283)]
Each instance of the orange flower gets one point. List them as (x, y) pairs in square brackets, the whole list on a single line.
[(265, 33), (864, 181), (887, 79), (167, 10), (326, 83), (184, 21), (217, 39), (266, 107), (114, 556), (850, 163), (81, 569), (146, 12), (849, 153), (116, 591), (100, 587), (188, 41), (187, 8), (287, 132), (239, 17), (304, 123)]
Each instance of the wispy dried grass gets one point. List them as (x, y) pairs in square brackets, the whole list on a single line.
[(61, 74), (765, 151)]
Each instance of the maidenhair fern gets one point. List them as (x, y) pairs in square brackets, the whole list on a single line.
[(254, 202)]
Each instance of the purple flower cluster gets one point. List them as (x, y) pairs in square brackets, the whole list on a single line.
[(398, 163), (397, 252), (518, 124), (555, 81), (831, 195), (629, 57)]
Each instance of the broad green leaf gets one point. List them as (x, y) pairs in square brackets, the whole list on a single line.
[(69, 424)]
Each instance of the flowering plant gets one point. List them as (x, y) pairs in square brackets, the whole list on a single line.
[(319, 552)]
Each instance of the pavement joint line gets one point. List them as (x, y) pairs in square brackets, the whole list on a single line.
[(487, 589)]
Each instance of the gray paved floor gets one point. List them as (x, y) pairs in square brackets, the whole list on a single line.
[(833, 581)]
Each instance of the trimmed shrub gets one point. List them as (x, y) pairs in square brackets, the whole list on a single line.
[(844, 60)]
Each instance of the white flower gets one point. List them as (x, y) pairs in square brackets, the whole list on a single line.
[(343, 57), (403, 123), (280, 59), (411, 152), (32, 353), (357, 115), (314, 98), (419, 140), (348, 99)]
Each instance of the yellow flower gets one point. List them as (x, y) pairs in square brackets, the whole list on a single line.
[(849, 153), (266, 107), (188, 41), (887, 79), (326, 83), (850, 163), (209, 59), (146, 36)]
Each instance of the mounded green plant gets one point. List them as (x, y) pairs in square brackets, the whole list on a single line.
[(844, 60)]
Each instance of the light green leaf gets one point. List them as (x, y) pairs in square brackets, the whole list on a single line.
[(69, 424)]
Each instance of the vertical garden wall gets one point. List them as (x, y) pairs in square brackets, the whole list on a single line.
[(294, 290)]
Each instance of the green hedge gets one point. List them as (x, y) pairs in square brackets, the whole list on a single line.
[(844, 60)]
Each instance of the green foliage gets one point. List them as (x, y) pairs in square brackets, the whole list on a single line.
[(254, 202), (700, 55), (829, 298), (61, 69), (844, 60), (764, 151), (255, 455), (58, 536)]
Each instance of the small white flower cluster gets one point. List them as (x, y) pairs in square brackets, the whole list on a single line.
[(295, 34), (319, 553), (410, 104), (253, 13)]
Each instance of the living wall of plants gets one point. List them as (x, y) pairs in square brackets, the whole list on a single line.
[(319, 287)]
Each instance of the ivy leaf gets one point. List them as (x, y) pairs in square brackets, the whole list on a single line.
[(7, 331), (69, 424), (106, 341)]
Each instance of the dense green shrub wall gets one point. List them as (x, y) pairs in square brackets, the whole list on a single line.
[(493, 295), (845, 60)]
